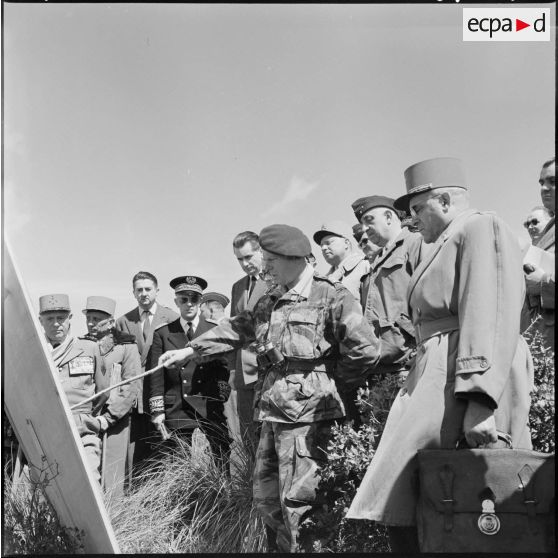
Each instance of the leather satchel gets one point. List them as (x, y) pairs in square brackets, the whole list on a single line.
[(486, 500)]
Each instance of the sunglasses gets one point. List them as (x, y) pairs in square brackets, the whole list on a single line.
[(530, 222)]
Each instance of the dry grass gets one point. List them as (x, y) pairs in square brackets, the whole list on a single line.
[(184, 503)]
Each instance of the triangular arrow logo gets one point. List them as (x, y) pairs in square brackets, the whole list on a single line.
[(519, 25)]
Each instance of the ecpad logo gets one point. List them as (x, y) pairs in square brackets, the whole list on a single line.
[(506, 24)]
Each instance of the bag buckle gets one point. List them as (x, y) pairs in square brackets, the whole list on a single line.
[(488, 522)]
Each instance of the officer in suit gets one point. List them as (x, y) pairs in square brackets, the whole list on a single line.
[(121, 361), (80, 372), (140, 322), (245, 294), (193, 395)]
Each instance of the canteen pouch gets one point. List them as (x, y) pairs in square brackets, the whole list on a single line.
[(486, 500)]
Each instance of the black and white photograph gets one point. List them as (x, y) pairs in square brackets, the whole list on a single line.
[(278, 278)]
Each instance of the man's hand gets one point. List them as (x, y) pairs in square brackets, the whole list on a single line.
[(158, 419), (171, 359), (533, 280), (479, 425)]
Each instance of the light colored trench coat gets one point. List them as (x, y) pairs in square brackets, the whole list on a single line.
[(465, 299)]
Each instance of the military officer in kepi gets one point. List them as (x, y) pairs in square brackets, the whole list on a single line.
[(121, 361), (80, 371), (311, 340), (182, 399)]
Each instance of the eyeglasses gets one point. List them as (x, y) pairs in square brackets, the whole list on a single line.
[(191, 299), (530, 222)]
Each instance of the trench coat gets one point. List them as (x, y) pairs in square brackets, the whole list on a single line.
[(465, 298)]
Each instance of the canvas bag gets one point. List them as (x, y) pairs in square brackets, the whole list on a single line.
[(486, 500)]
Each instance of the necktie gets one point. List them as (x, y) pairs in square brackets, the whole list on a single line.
[(146, 325), (190, 332), (252, 284)]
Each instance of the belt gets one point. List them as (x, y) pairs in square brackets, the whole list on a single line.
[(310, 365), (427, 329)]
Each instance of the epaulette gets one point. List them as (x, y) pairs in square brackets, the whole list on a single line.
[(123, 338), (326, 279), (88, 337), (211, 321)]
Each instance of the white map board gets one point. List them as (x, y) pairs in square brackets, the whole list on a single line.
[(41, 418)]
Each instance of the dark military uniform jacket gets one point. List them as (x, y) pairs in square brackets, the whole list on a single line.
[(186, 393), (120, 361), (384, 299), (323, 337)]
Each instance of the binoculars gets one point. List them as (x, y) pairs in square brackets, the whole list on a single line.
[(268, 355)]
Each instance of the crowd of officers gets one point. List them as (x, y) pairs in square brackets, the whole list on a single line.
[(423, 287)]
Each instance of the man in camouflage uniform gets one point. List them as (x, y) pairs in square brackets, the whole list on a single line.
[(311, 339), (80, 371), (121, 361)]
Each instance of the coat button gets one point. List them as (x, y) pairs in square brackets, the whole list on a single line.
[(483, 363), (184, 381)]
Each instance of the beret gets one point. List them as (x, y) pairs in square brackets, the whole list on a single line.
[(100, 304), (440, 172), (54, 303), (188, 283), (284, 240), (217, 297), (362, 205)]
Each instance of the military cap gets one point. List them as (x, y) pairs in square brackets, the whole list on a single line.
[(188, 283), (100, 304), (217, 297), (284, 240), (362, 205), (54, 303), (336, 228), (440, 172)]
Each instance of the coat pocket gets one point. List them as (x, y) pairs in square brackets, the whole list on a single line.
[(303, 326), (80, 372)]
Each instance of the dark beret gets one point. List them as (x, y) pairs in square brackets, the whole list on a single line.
[(362, 205), (284, 240)]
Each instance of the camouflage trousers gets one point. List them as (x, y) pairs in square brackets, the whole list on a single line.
[(286, 476)]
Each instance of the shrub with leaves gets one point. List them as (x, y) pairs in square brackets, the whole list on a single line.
[(542, 415), (31, 525)]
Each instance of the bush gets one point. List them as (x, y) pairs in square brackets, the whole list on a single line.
[(184, 503), (31, 525), (350, 453)]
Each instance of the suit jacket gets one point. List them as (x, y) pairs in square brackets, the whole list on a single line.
[(131, 323), (190, 390), (240, 301)]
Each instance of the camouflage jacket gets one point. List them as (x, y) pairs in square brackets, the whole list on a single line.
[(325, 341)]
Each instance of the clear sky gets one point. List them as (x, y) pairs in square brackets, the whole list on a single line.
[(145, 136)]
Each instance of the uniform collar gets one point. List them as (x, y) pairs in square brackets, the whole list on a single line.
[(302, 288), (195, 322), (351, 261)]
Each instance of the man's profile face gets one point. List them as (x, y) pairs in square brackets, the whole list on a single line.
[(376, 226), (145, 292), (548, 187), (427, 212), (188, 304), (249, 258), (92, 318), (56, 325)]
